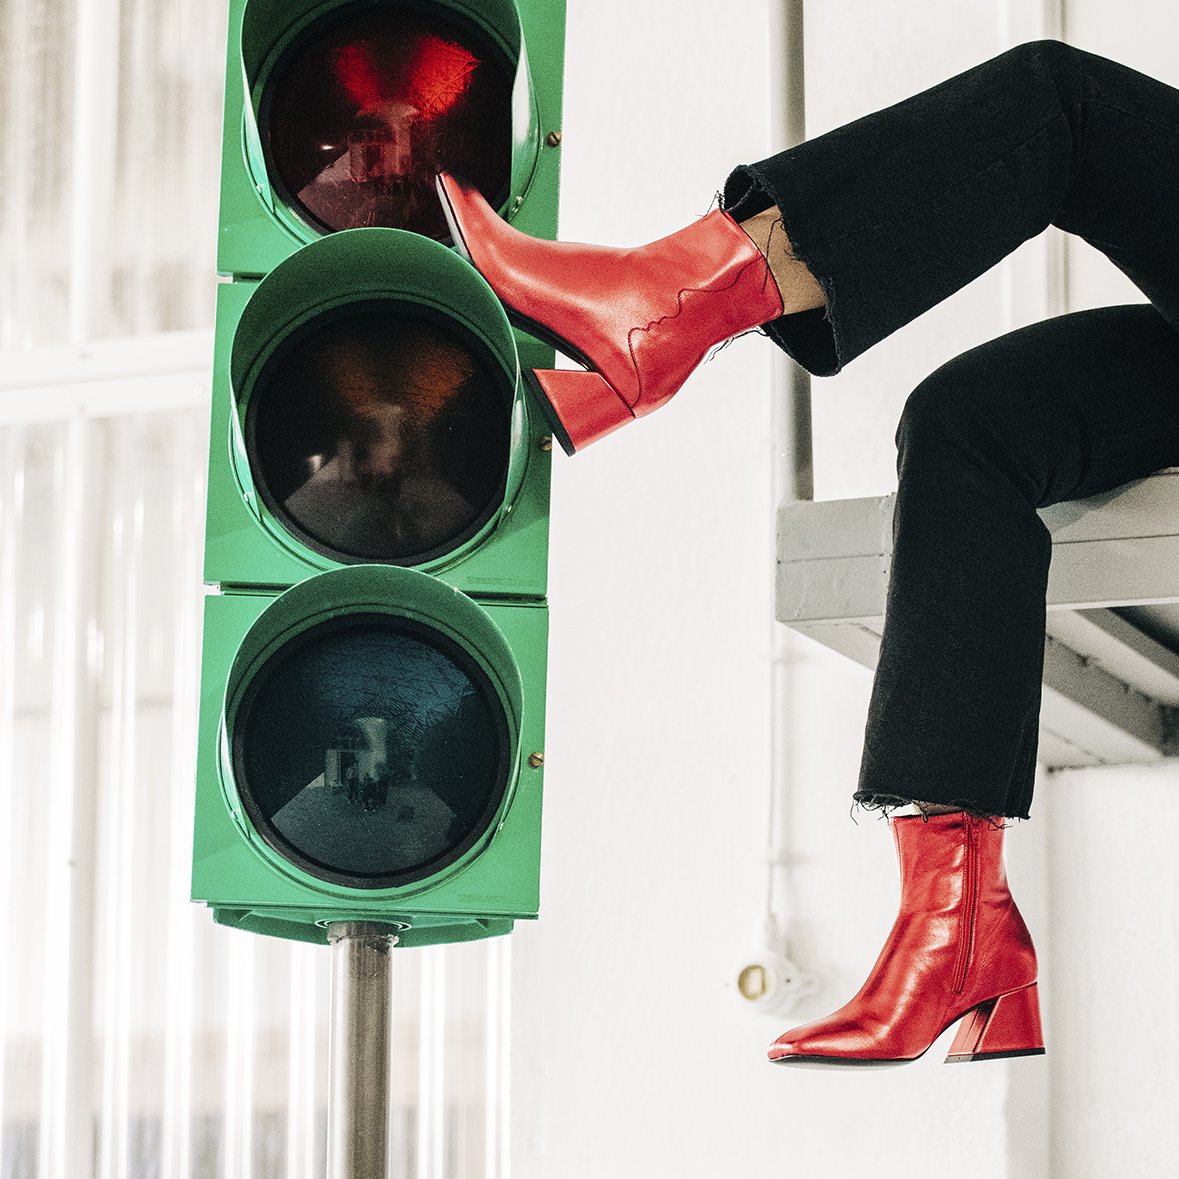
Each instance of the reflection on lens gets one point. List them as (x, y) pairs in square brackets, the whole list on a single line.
[(372, 751), (377, 436), (368, 107)]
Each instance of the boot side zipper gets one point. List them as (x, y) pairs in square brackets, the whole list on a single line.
[(969, 901)]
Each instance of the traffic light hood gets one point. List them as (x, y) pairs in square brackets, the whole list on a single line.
[(376, 590), (406, 292), (269, 25), (367, 89), (373, 673), (368, 265)]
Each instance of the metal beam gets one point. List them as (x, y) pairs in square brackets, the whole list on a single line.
[(1111, 692), (168, 370)]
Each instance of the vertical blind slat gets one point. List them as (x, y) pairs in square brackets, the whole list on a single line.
[(187, 503), (66, 1097), (239, 1058), (11, 514)]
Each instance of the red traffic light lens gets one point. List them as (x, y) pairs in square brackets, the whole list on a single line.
[(368, 106), (377, 435), (371, 751)]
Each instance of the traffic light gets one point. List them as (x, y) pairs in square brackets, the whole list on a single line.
[(373, 675), (338, 116)]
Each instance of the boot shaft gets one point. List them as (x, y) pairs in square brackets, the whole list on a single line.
[(952, 867)]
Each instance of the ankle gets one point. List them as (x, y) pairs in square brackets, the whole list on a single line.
[(799, 288), (925, 809)]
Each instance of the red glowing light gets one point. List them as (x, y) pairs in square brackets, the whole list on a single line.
[(364, 113), (358, 75), (438, 76)]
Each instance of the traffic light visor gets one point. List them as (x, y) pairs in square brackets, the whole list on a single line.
[(354, 108), (378, 412), (372, 722)]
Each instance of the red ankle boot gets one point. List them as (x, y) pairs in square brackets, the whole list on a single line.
[(958, 948), (640, 319)]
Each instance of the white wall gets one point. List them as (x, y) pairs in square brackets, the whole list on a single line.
[(1115, 886), (631, 1055)]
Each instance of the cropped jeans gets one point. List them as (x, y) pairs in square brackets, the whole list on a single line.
[(892, 214)]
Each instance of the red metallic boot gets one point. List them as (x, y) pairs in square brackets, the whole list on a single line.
[(640, 319), (958, 950)]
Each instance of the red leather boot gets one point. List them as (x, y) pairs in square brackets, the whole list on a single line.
[(640, 319), (958, 948)]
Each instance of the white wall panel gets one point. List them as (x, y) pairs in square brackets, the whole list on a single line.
[(1115, 900), (632, 1056)]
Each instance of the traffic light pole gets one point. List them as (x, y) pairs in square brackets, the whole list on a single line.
[(358, 1050)]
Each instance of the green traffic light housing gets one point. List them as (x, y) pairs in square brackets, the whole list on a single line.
[(369, 754), (374, 660), (338, 116), (368, 408)]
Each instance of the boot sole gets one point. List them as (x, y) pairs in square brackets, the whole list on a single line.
[(1000, 1028), (845, 1062)]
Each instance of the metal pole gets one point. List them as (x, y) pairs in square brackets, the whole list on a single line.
[(358, 1051), (792, 478), (790, 130)]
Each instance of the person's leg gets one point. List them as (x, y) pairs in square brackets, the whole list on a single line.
[(1057, 411), (898, 210), (875, 223), (640, 319)]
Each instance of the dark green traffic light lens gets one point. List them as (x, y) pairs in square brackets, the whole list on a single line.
[(371, 751), (368, 104), (378, 435)]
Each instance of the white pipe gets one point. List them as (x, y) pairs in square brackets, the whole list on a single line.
[(11, 521), (186, 452), (111, 1114), (791, 465), (497, 1078), (239, 1057), (108, 378), (119, 946), (432, 1074), (66, 1091), (1059, 243), (304, 1026), (92, 164)]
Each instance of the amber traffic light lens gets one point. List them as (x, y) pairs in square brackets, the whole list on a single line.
[(367, 107), (371, 751), (379, 436)]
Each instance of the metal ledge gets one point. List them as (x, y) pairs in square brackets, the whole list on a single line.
[(1111, 663)]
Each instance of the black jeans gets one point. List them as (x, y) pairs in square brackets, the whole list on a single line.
[(892, 214)]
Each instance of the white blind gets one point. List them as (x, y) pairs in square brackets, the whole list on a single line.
[(111, 116)]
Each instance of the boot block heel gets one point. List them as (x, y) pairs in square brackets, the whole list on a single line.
[(581, 407), (1006, 1026)]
